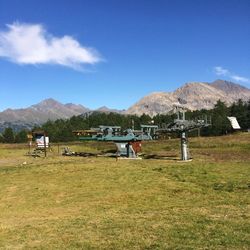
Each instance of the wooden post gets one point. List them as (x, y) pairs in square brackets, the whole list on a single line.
[(44, 141), (29, 136)]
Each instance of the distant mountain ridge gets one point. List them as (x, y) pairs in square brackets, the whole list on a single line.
[(48, 109), (37, 114), (193, 96)]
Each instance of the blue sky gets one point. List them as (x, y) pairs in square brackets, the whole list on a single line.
[(113, 52)]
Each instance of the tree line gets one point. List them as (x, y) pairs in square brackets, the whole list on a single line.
[(61, 130)]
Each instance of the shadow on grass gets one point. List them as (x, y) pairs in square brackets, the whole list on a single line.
[(110, 151), (161, 157)]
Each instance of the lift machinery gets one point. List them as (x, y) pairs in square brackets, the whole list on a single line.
[(182, 126), (128, 142)]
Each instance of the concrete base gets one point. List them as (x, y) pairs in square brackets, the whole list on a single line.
[(126, 158), (185, 160)]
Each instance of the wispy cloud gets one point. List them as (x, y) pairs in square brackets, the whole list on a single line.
[(220, 71), (240, 78), (32, 44)]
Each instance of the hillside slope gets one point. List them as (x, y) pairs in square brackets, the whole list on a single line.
[(194, 96)]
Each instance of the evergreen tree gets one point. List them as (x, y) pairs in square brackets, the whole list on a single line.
[(1, 138), (220, 123), (8, 135), (239, 110), (248, 115), (145, 119), (21, 136), (61, 130)]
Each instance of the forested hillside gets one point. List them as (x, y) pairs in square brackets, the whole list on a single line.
[(61, 130)]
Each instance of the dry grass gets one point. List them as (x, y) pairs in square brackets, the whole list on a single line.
[(100, 203)]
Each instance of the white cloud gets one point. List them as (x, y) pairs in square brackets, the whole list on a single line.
[(32, 44), (240, 78), (220, 71)]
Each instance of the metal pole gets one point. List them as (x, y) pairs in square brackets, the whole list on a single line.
[(184, 153), (183, 115), (133, 124)]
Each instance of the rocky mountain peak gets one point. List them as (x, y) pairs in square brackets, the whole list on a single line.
[(228, 86), (48, 109), (76, 108), (105, 109), (192, 95), (47, 103)]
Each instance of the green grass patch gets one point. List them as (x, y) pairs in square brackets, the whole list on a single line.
[(100, 203)]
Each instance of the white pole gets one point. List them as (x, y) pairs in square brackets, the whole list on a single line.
[(184, 153)]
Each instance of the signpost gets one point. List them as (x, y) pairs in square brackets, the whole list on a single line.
[(42, 141), (30, 137)]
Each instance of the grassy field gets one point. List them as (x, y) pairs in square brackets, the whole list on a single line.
[(154, 203)]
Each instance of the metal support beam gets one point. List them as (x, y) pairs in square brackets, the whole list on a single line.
[(184, 147)]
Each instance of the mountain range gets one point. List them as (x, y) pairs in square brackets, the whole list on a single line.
[(193, 96)]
